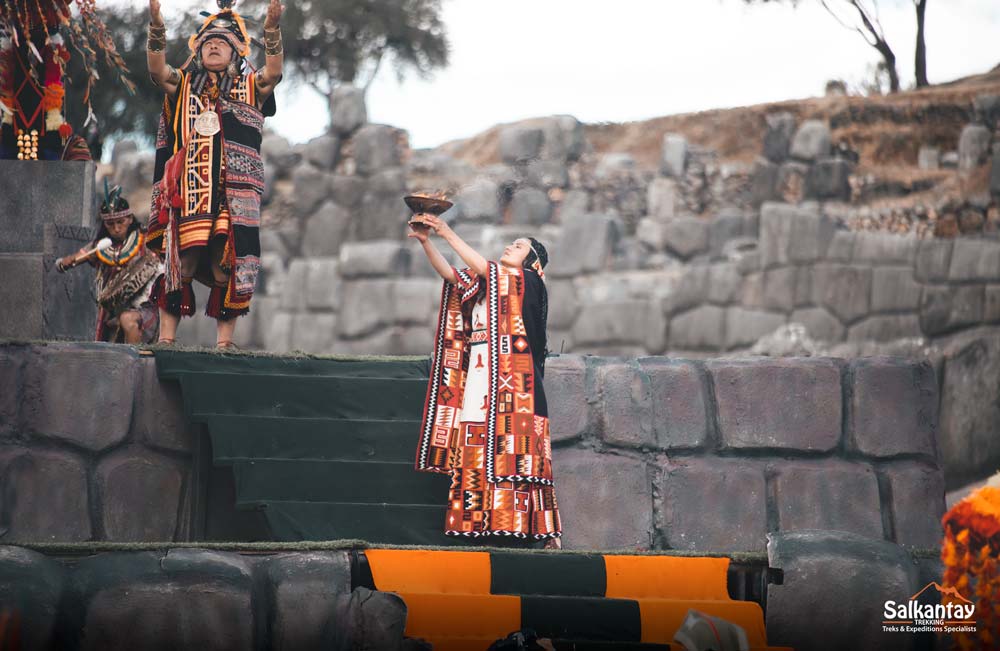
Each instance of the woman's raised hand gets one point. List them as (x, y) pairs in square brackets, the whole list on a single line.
[(155, 17), (418, 229)]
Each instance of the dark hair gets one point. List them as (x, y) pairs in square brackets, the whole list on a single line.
[(539, 253), (114, 202)]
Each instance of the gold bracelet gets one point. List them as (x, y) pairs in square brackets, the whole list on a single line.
[(157, 30), (156, 44), (272, 45)]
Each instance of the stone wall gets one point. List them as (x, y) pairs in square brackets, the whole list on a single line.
[(195, 599), (650, 453), (47, 210), (92, 446)]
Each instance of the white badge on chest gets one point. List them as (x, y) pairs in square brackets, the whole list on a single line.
[(207, 123)]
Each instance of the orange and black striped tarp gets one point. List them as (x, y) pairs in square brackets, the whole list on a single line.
[(466, 600)]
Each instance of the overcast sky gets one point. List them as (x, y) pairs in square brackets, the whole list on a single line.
[(620, 60)]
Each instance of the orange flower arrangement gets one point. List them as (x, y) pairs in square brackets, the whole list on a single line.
[(970, 555), (53, 98)]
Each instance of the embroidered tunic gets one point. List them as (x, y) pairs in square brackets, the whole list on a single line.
[(485, 418), (126, 273), (221, 180)]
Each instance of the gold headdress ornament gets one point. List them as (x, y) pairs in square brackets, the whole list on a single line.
[(227, 25)]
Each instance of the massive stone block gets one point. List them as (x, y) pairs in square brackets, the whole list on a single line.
[(699, 329), (778, 404), (811, 141), (365, 305), (779, 288), (724, 282), (745, 327), (45, 495), (382, 213), (885, 328), (21, 294), (945, 309), (975, 260), (626, 321), (566, 394), (845, 290), (828, 495), (202, 601), (841, 247), (893, 289), (314, 333), (973, 145), (32, 585), (519, 144), (834, 591), (140, 496), (778, 137), (763, 182), (585, 245), (678, 403), (563, 304), (374, 258), (322, 284), (347, 109), (714, 505), (607, 498), (368, 619), (306, 588), (829, 179), (159, 412), (530, 207), (311, 188), (625, 415), (970, 412), (893, 407), (933, 260), (376, 147), (66, 377), (674, 155), (792, 234), (662, 198), (43, 192), (323, 151), (686, 236), (917, 503), (326, 230), (885, 248), (991, 305), (480, 200), (11, 379)]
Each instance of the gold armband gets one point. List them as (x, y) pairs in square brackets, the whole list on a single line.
[(156, 41), (272, 42)]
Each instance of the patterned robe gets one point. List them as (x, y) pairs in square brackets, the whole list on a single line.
[(501, 469), (223, 173)]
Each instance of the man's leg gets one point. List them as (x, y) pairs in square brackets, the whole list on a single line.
[(224, 328), (131, 324), (169, 318)]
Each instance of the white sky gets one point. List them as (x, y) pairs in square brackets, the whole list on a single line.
[(620, 60)]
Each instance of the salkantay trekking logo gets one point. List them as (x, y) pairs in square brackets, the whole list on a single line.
[(911, 616)]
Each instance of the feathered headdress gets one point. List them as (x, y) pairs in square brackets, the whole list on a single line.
[(227, 25)]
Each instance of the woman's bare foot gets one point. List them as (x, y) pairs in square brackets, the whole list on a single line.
[(553, 543)]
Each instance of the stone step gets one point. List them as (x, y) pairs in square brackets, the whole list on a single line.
[(302, 396), (172, 365), (273, 437), (395, 524), (369, 482)]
